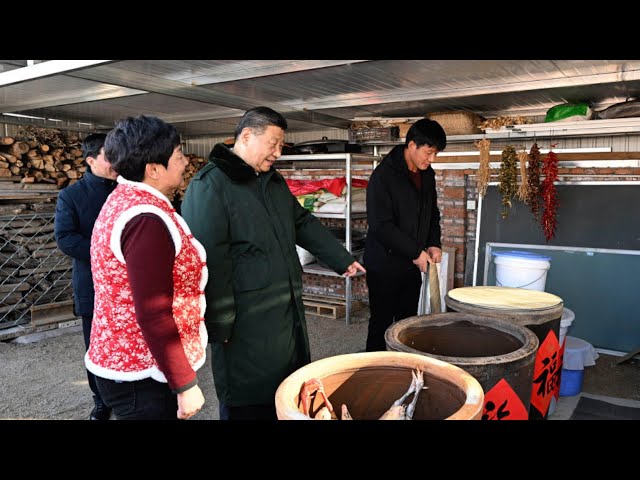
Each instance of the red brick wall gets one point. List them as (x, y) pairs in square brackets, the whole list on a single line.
[(450, 185)]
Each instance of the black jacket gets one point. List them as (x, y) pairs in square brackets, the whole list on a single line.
[(402, 220), (76, 211)]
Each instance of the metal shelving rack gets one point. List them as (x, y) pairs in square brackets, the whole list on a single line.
[(348, 161)]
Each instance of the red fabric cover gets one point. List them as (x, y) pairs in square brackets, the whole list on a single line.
[(332, 185)]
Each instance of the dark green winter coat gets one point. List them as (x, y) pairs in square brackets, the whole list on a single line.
[(249, 225)]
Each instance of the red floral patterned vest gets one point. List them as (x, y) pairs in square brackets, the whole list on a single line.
[(118, 350)]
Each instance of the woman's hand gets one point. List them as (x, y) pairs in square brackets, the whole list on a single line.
[(190, 402)]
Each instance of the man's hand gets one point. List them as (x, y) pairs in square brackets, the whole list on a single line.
[(353, 269), (431, 255), (421, 261), (435, 254), (190, 402)]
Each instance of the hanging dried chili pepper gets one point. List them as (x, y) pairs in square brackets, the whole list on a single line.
[(508, 175), (533, 180), (550, 195)]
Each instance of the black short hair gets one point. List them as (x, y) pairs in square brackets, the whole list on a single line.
[(135, 142), (427, 132), (259, 118), (92, 144)]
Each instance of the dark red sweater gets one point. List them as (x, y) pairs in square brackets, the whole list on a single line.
[(149, 253)]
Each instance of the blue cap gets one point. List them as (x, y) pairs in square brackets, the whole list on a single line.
[(521, 254)]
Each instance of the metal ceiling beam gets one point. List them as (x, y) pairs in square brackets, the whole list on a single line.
[(309, 116), (90, 94), (71, 126), (284, 67), (408, 95), (138, 81), (45, 69), (307, 111), (303, 116), (70, 98)]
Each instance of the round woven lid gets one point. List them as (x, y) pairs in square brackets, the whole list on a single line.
[(505, 298)]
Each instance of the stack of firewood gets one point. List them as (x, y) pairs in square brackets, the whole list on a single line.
[(45, 155), (195, 164), (38, 155)]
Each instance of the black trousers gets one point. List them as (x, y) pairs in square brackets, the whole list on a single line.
[(86, 331), (391, 298), (139, 400)]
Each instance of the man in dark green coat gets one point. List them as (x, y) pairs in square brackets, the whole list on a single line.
[(241, 209)]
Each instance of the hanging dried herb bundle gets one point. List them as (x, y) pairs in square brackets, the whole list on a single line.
[(533, 181), (484, 169), (508, 178), (523, 191), (550, 195)]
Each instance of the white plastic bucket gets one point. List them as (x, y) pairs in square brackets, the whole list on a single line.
[(521, 270), (565, 322)]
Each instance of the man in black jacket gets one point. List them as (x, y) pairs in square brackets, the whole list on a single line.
[(76, 212), (404, 228)]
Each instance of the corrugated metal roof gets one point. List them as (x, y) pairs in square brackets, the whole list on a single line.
[(207, 96)]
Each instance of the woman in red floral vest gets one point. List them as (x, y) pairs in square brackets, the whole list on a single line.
[(148, 337)]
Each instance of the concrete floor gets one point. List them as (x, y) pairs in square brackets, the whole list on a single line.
[(567, 405), (608, 381), (46, 379), (609, 378)]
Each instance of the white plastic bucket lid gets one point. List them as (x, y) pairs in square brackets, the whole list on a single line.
[(521, 255), (522, 259)]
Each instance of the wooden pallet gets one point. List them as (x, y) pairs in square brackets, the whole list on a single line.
[(52, 313), (327, 307), (27, 329)]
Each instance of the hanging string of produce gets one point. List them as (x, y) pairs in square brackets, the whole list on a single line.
[(508, 175), (533, 181), (549, 194), (484, 169), (523, 191)]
